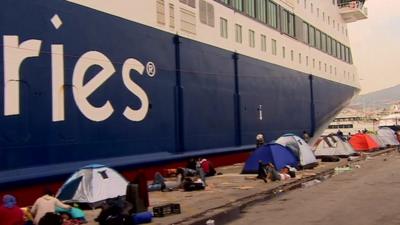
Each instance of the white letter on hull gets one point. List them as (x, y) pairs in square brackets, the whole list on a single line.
[(131, 114), (82, 92), (14, 55), (57, 67)]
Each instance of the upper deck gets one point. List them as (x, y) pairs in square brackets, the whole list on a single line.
[(352, 11), (305, 35)]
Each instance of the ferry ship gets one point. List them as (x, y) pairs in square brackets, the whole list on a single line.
[(138, 83)]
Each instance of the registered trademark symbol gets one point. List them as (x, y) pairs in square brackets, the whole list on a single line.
[(151, 69)]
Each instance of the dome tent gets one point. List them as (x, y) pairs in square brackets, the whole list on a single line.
[(363, 142), (332, 145), (387, 136), (276, 154), (300, 148), (92, 185)]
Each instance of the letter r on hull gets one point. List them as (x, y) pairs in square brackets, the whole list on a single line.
[(14, 55)]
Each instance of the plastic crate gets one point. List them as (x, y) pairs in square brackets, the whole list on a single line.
[(168, 209)]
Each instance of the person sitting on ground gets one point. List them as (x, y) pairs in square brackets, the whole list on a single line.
[(10, 213), (207, 167), (268, 172), (193, 184), (191, 164), (46, 203), (262, 172), (186, 172), (160, 184)]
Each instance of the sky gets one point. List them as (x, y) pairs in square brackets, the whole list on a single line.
[(375, 45)]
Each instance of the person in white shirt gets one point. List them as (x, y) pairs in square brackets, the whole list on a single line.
[(46, 203)]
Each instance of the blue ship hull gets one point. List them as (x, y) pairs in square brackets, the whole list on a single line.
[(202, 99)]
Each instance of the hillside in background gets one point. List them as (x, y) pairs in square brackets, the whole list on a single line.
[(378, 99)]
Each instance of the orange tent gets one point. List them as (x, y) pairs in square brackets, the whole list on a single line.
[(363, 142)]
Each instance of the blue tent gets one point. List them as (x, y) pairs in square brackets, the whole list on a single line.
[(276, 154)]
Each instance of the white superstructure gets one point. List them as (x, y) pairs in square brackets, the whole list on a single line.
[(236, 25)]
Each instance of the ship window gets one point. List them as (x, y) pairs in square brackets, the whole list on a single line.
[(323, 16), (252, 42), (334, 52), (261, 10), (249, 8), (299, 58), (313, 63), (223, 27), (326, 68), (330, 69), (291, 25), (206, 13), (291, 55), (272, 14), (305, 4), (350, 57), (263, 43), (284, 21), (346, 54), (191, 3), (342, 53), (317, 12), (323, 42), (329, 45), (329, 20), (312, 8), (238, 33), (287, 23), (237, 4), (319, 65), (339, 56), (283, 52), (318, 39), (306, 60), (171, 16), (273, 46), (188, 21), (311, 36), (160, 12), (305, 32)]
